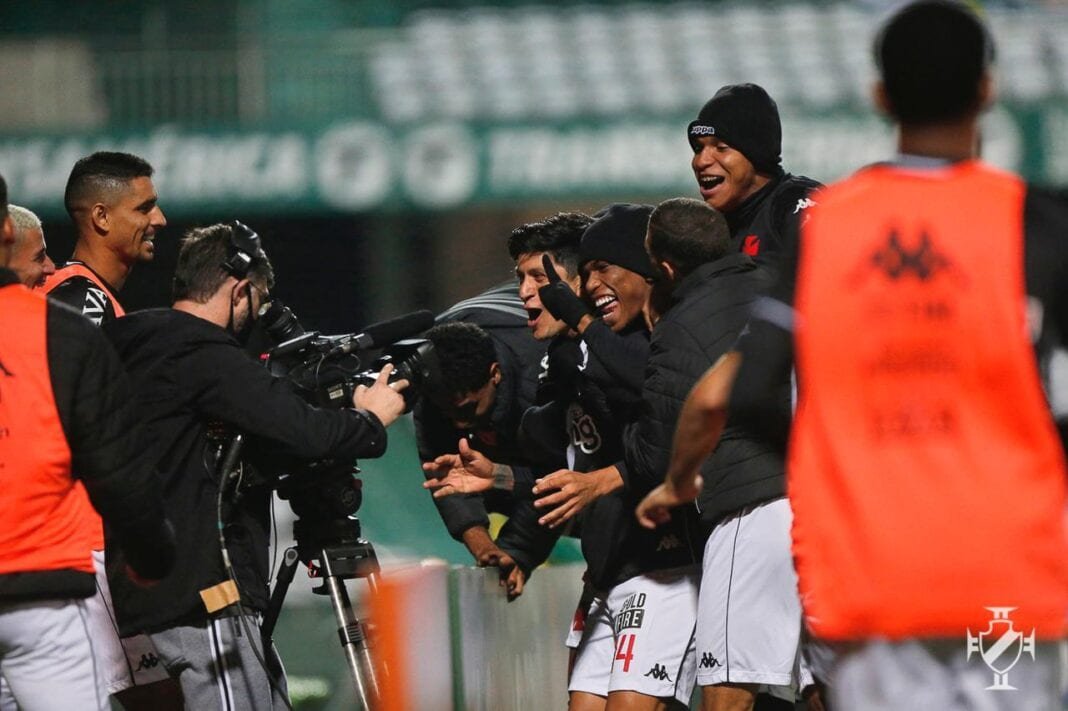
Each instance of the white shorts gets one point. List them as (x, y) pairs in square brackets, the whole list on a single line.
[(640, 638), (879, 675), (124, 663), (749, 614)]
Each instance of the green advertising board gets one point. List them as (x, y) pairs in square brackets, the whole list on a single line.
[(363, 166)]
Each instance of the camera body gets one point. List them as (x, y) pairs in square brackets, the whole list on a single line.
[(325, 371)]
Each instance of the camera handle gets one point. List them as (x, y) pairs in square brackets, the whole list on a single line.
[(336, 564)]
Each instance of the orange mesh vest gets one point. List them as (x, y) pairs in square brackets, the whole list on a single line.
[(41, 526), (925, 472), (92, 518), (72, 270)]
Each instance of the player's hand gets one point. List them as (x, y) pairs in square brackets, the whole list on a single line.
[(468, 472), (559, 300), (565, 493), (655, 509), (513, 582), (383, 398)]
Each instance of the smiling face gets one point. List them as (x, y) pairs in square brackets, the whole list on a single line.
[(619, 294), (724, 175), (29, 260), (133, 219), (531, 275)]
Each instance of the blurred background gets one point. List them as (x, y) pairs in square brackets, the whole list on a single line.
[(384, 149)]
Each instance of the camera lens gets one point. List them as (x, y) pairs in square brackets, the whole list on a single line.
[(279, 321)]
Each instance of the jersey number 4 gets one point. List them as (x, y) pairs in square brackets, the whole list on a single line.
[(625, 641)]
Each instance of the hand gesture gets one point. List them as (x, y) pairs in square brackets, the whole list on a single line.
[(574, 491), (558, 299), (655, 509), (382, 398), (468, 472)]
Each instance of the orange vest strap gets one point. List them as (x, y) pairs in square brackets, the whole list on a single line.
[(80, 270)]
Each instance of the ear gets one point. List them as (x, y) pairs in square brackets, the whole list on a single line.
[(99, 218), (7, 231), (987, 90), (881, 99), (238, 291), (667, 269), (495, 374)]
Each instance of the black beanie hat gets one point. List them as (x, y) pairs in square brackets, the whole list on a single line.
[(617, 236), (747, 119)]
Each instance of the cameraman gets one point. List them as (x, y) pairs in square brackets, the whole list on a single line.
[(197, 387)]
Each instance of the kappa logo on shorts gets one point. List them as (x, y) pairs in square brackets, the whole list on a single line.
[(148, 661), (668, 543), (709, 662), (658, 672)]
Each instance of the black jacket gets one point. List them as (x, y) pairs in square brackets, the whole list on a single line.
[(766, 224), (588, 409), (709, 311), (195, 387), (499, 311), (95, 406)]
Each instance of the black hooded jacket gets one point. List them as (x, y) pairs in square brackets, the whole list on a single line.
[(587, 412), (498, 311), (195, 387)]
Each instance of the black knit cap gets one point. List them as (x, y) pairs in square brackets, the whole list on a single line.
[(747, 119), (617, 236)]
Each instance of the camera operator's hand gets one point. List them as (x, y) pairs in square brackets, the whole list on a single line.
[(560, 301), (469, 472), (383, 398)]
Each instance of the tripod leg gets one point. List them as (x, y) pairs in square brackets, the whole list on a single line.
[(350, 631), (281, 585)]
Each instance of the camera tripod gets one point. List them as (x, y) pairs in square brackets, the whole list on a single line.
[(343, 558)]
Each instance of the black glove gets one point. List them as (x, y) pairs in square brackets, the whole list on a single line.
[(558, 298)]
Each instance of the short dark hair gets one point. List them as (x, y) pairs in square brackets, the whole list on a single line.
[(101, 172), (932, 56), (687, 233), (558, 235), (465, 353), (3, 198), (199, 272)]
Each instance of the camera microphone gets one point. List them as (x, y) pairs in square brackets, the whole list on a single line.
[(386, 332)]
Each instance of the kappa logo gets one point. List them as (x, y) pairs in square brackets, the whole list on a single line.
[(700, 130), (658, 672), (1000, 646), (668, 542), (708, 661), (803, 204), (148, 661), (897, 261)]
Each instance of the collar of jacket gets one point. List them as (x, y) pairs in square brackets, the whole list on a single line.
[(731, 264), (745, 212)]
